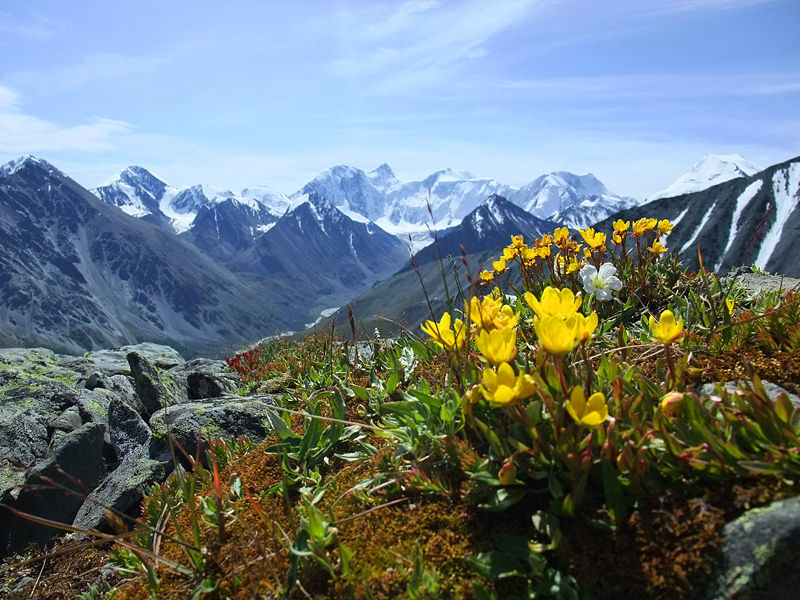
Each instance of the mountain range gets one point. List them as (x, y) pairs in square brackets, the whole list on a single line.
[(206, 270)]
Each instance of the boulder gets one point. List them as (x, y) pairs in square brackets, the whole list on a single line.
[(127, 430), (205, 378), (76, 463), (154, 390), (218, 417), (760, 554), (122, 490), (114, 362), (773, 390)]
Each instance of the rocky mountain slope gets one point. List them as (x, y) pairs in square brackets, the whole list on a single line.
[(753, 220), (77, 273)]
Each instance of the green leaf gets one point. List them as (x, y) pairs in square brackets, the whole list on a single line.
[(496, 565), (280, 427), (615, 498), (503, 498)]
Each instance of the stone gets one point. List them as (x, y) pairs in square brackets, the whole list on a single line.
[(228, 418), (205, 378), (760, 554), (122, 490), (773, 391), (127, 430), (115, 361), (69, 420), (154, 391), (77, 464), (123, 388)]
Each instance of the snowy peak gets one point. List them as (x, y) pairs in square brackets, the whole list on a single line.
[(26, 160), (382, 177), (573, 200), (135, 190), (713, 169)]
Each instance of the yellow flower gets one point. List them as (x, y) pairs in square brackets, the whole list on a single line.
[(529, 256), (617, 237), (442, 335), (499, 266), (517, 241), (666, 330), (509, 252), (561, 303), (672, 402), (561, 235), (557, 335), (587, 325), (591, 412), (573, 265), (657, 248), (621, 226), (729, 304), (644, 225), (498, 345), (664, 226), (545, 240), (508, 472), (594, 240), (487, 276), (543, 252), (491, 313), (502, 387)]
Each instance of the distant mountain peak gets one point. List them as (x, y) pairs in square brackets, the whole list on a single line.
[(15, 165), (709, 171)]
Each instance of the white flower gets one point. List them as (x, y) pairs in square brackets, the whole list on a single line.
[(601, 282)]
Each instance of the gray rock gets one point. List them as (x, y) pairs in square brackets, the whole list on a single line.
[(123, 388), (95, 380), (122, 490), (94, 404), (115, 361), (79, 455), (219, 417), (773, 390), (757, 283), (760, 555), (155, 391), (69, 420), (205, 378), (127, 430)]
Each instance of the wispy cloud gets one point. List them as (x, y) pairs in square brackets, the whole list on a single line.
[(422, 42), (94, 68), (38, 28), (22, 133), (664, 86)]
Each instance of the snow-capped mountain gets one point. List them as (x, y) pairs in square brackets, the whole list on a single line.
[(752, 220), (576, 201), (321, 255), (489, 226), (444, 198), (141, 194), (711, 170)]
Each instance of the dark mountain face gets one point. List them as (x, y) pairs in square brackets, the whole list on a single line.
[(322, 254), (746, 221), (78, 274), (226, 227), (488, 227)]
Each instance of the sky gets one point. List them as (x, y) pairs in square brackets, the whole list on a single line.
[(236, 94)]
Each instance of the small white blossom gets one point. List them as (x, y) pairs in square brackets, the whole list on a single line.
[(601, 282)]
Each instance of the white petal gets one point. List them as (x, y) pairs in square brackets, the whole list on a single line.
[(607, 270), (614, 283)]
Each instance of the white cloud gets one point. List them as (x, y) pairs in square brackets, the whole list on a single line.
[(21, 133), (94, 68), (421, 43)]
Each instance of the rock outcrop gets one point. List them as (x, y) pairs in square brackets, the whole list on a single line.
[(82, 435)]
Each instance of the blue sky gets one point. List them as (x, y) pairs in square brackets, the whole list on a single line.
[(256, 92)]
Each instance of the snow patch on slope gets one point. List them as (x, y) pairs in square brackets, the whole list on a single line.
[(741, 202), (786, 188)]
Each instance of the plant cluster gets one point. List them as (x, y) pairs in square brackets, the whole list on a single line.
[(551, 412)]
